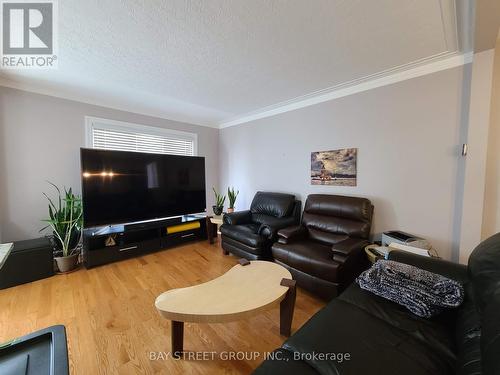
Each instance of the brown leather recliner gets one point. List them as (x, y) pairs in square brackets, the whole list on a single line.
[(326, 252)]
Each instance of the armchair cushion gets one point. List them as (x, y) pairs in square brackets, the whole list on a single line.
[(269, 225), (307, 256), (238, 217), (287, 235), (329, 217), (347, 246), (246, 234), (272, 204)]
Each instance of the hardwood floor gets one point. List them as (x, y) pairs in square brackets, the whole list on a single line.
[(114, 328)]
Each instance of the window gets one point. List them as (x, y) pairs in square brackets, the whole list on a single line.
[(123, 136)]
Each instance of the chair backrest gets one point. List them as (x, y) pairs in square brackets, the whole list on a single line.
[(484, 273), (333, 218), (272, 204)]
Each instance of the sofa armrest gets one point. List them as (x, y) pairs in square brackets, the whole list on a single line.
[(451, 270), (341, 250), (290, 234), (238, 217), (270, 227)]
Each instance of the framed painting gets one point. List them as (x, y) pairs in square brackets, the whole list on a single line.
[(335, 167)]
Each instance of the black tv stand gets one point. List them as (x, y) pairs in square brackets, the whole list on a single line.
[(112, 243)]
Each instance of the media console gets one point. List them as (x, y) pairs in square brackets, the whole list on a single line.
[(109, 244)]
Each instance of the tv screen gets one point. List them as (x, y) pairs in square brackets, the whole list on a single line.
[(121, 187)]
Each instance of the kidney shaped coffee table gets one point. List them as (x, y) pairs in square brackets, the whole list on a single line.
[(245, 290)]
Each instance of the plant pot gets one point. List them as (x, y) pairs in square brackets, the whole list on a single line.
[(66, 264), (230, 210), (218, 210)]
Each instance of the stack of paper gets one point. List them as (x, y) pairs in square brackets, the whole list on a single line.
[(5, 249), (410, 249)]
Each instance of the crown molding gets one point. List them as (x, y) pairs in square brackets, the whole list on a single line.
[(455, 18), (119, 105), (398, 74)]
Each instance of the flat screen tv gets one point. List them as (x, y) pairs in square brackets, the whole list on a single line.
[(122, 187)]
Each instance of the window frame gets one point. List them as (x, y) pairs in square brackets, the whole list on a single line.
[(92, 123)]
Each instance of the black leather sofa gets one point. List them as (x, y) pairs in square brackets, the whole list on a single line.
[(250, 234), (326, 252), (382, 337)]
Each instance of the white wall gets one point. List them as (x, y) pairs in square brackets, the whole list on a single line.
[(475, 163), (408, 137), (40, 138), (491, 217)]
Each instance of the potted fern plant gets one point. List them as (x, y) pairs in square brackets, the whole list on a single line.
[(65, 220), (231, 194), (219, 203)]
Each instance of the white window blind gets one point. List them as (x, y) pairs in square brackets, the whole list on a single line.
[(131, 137)]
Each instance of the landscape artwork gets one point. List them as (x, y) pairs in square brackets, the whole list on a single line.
[(336, 167)]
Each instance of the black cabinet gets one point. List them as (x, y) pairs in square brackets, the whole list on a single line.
[(110, 244), (28, 261), (40, 352)]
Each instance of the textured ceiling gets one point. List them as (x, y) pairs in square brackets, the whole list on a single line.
[(209, 61)]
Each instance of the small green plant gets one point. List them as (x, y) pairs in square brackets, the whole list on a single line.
[(232, 195), (65, 220), (219, 199)]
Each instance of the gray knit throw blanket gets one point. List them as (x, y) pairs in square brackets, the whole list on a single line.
[(422, 292)]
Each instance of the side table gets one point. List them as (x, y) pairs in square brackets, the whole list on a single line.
[(213, 223), (372, 254)]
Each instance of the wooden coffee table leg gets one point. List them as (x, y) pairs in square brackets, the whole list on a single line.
[(177, 338), (287, 306)]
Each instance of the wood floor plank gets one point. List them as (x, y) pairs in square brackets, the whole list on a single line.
[(113, 326)]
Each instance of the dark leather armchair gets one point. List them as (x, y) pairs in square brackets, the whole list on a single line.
[(326, 252), (250, 234)]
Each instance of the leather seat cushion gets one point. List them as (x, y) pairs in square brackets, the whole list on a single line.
[(436, 332), (320, 226), (272, 204), (244, 251), (330, 216), (352, 208), (324, 289), (246, 234), (375, 346), (468, 335), (484, 271), (309, 257)]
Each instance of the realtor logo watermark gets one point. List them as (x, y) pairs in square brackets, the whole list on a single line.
[(29, 34)]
